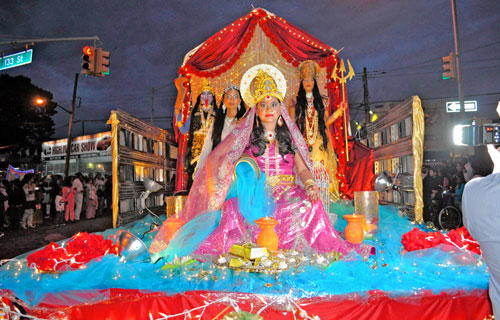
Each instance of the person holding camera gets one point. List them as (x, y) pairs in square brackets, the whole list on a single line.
[(480, 203)]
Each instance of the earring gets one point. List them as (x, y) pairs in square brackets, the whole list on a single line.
[(224, 108), (239, 107), (280, 121)]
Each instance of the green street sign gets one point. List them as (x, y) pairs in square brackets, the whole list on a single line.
[(16, 59)]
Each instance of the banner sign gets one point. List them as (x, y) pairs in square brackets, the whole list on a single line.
[(95, 145)]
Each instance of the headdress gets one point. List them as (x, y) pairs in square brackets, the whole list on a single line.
[(231, 87), (206, 86), (308, 69), (260, 81)]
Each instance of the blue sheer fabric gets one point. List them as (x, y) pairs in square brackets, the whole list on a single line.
[(435, 269)]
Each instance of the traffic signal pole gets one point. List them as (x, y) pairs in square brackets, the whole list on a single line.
[(457, 53), (37, 40)]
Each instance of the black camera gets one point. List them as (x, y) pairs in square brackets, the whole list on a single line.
[(474, 135)]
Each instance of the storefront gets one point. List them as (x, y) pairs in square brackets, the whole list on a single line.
[(89, 154)]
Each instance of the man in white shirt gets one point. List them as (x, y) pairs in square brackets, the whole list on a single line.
[(78, 186), (480, 205)]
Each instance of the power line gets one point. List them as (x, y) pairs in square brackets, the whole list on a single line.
[(431, 98)]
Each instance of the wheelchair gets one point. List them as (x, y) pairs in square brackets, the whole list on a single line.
[(444, 211)]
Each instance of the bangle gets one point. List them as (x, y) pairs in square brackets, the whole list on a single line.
[(309, 183)]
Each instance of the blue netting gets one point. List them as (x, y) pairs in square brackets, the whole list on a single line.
[(434, 269)]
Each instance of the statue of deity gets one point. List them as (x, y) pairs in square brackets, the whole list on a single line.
[(312, 118)]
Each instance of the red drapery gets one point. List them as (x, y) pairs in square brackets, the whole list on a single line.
[(219, 53), (360, 175), (130, 304)]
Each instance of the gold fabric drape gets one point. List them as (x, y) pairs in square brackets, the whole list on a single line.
[(259, 50), (418, 156), (114, 153)]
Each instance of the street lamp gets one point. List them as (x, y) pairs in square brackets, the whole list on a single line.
[(39, 101)]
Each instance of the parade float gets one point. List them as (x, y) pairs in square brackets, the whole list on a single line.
[(411, 272)]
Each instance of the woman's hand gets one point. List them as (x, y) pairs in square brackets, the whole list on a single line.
[(313, 193)]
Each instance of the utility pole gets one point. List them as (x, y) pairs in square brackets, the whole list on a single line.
[(366, 96), (457, 54), (152, 104), (153, 90), (68, 145)]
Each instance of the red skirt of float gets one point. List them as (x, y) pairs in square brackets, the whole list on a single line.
[(118, 304)]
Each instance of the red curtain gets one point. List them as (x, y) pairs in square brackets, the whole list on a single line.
[(360, 175), (129, 304)]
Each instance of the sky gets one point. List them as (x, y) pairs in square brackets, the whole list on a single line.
[(399, 42)]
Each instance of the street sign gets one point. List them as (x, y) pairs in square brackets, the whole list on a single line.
[(16, 59), (454, 106)]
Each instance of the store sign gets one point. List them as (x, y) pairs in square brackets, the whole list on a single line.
[(95, 145), (454, 106)]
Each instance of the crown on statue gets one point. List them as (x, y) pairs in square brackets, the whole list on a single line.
[(264, 85), (205, 86), (308, 69)]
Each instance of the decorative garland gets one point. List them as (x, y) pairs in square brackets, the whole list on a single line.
[(80, 249), (417, 239)]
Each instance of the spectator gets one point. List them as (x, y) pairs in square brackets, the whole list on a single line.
[(29, 205), (44, 187), (68, 194), (431, 184), (91, 199), (60, 204), (17, 198), (108, 194), (3, 207), (54, 191), (78, 186), (482, 219)]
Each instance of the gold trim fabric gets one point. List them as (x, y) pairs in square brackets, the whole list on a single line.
[(418, 156), (114, 153)]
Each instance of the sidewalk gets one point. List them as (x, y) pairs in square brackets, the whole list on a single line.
[(16, 242)]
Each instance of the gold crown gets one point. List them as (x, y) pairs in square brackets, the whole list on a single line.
[(206, 86), (308, 69), (264, 85)]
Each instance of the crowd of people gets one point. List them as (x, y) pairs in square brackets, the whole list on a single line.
[(444, 184), (34, 200)]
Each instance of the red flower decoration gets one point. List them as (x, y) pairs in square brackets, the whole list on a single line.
[(417, 239), (80, 249)]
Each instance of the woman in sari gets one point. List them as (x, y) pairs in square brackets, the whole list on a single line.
[(256, 171)]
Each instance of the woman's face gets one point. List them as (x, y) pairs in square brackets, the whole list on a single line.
[(268, 109), (232, 99), (206, 98), (308, 84)]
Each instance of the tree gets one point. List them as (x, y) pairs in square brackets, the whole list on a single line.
[(24, 126)]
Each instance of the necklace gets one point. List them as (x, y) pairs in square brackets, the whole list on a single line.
[(205, 122), (269, 135), (229, 120), (311, 126), (276, 159)]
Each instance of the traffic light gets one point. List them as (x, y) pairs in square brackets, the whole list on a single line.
[(449, 66), (88, 60), (102, 62)]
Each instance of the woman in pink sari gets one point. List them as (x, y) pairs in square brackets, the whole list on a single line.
[(269, 160), (68, 194)]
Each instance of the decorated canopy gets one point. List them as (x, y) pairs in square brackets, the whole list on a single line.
[(262, 37)]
